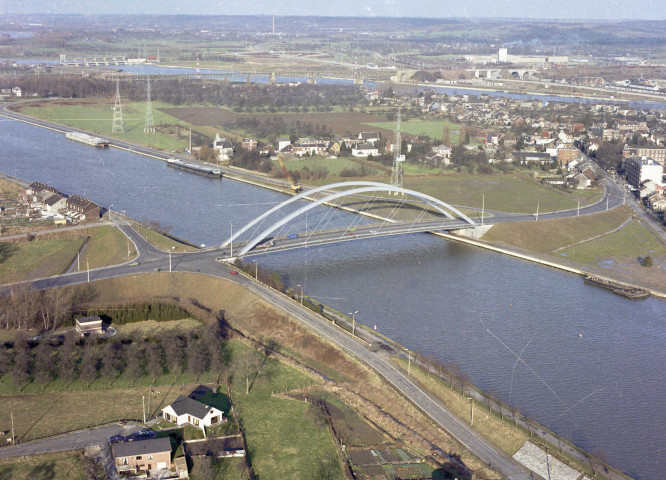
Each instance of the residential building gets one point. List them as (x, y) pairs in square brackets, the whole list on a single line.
[(656, 154), (527, 157), (249, 144), (86, 210), (639, 170), (283, 142), (567, 155), (224, 148), (187, 410), (368, 137), (149, 457), (365, 150)]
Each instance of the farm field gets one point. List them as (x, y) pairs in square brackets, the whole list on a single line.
[(433, 129)]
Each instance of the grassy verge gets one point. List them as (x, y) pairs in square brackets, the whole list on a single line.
[(48, 256), (44, 466), (161, 241), (501, 433)]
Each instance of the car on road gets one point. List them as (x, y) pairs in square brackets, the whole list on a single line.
[(233, 272), (134, 264), (349, 234), (116, 439), (293, 235)]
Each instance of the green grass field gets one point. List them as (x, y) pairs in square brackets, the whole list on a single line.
[(46, 257), (431, 128), (333, 165), (39, 258), (43, 467), (284, 439), (516, 192), (99, 118)]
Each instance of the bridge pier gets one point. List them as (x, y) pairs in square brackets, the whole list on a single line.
[(473, 232), (249, 80), (312, 81), (271, 78), (358, 81)]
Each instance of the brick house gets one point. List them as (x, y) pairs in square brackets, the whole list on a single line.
[(148, 457)]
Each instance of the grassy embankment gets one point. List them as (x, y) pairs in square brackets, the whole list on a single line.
[(501, 432), (48, 256), (44, 466), (611, 243), (97, 116), (431, 128), (161, 241)]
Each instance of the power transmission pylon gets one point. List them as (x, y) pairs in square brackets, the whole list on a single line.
[(398, 159), (149, 125), (118, 122)]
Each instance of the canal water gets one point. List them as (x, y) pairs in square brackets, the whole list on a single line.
[(512, 326)]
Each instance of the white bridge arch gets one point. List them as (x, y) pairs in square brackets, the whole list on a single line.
[(362, 187)]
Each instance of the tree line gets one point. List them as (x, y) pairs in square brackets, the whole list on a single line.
[(69, 357)]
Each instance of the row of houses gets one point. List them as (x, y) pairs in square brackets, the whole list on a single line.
[(62, 207)]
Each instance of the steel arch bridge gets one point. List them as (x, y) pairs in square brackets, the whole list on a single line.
[(358, 188)]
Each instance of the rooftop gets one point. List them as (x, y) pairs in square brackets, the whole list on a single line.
[(141, 447), (186, 405)]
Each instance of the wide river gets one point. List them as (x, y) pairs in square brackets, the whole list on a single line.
[(604, 391)]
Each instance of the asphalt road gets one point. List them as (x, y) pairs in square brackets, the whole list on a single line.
[(69, 441)]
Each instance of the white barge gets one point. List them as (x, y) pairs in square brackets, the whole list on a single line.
[(195, 168), (87, 139)]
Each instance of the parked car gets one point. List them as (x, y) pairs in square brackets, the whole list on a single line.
[(116, 439), (234, 272)]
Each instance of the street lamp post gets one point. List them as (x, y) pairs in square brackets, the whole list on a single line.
[(483, 206), (299, 285), (110, 211), (353, 314), (256, 270), (578, 211), (231, 251)]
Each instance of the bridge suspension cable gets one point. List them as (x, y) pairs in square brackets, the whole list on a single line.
[(364, 187)]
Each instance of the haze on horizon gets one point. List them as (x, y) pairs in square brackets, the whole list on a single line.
[(541, 9)]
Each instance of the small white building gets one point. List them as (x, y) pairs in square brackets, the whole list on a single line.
[(88, 325), (187, 410)]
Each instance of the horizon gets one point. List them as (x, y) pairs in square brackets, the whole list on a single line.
[(560, 11)]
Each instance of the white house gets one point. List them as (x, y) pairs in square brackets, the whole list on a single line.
[(365, 150), (187, 410), (224, 148)]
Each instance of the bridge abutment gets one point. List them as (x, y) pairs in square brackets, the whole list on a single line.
[(473, 232)]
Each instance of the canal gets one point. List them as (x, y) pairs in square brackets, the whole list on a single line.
[(462, 305)]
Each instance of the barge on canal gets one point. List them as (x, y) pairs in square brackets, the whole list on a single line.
[(195, 168), (87, 139)]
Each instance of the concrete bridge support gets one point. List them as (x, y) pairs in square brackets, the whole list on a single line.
[(473, 232), (271, 78)]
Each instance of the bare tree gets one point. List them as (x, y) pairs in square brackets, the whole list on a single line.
[(197, 362), (110, 362), (45, 365), (67, 357), (22, 360), (54, 306), (134, 357), (89, 363), (174, 350), (247, 365), (154, 360), (5, 360)]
